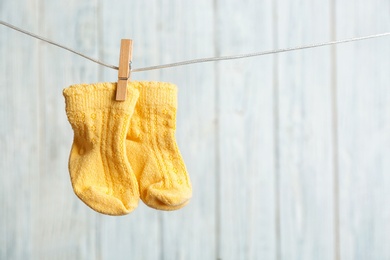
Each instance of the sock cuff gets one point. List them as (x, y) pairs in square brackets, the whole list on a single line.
[(81, 97), (156, 93)]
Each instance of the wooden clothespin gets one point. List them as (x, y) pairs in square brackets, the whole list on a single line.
[(125, 56)]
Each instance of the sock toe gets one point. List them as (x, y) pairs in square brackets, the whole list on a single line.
[(104, 203), (168, 198)]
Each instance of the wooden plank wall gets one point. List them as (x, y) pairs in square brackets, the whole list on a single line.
[(288, 153)]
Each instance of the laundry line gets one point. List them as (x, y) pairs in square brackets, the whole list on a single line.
[(200, 60)]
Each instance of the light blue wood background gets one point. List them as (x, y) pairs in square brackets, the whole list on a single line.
[(289, 154)]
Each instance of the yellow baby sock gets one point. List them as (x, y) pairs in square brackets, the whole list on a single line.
[(100, 173), (152, 150)]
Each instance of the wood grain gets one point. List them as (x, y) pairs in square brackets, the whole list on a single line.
[(245, 132), (19, 131), (305, 133), (363, 82)]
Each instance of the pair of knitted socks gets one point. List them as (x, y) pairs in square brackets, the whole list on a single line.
[(123, 151)]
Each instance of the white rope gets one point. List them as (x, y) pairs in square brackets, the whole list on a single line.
[(201, 60), (58, 45)]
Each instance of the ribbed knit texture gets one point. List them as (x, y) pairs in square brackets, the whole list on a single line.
[(152, 150), (100, 172)]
